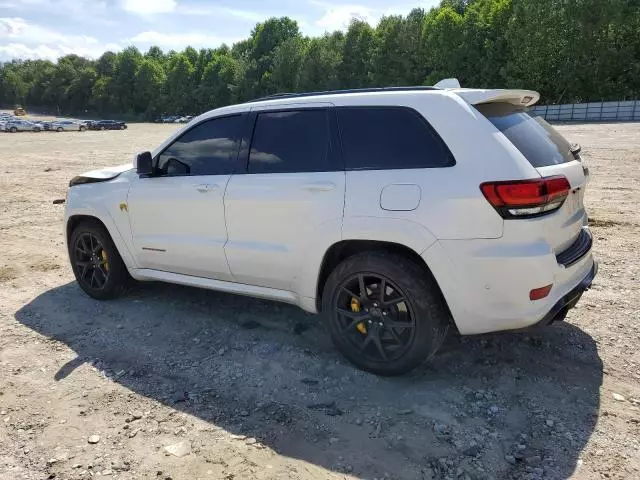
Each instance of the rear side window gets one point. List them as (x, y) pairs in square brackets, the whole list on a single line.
[(538, 141), (291, 141), (390, 137), (209, 148)]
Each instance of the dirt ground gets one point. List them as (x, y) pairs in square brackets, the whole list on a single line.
[(238, 388)]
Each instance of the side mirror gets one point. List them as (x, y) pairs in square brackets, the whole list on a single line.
[(144, 163)]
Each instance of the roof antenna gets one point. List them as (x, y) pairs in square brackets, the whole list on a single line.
[(448, 83)]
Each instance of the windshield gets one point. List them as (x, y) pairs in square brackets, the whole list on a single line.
[(538, 141)]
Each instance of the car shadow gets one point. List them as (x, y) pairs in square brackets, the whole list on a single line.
[(492, 406)]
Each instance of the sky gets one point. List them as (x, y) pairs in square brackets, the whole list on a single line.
[(48, 29)]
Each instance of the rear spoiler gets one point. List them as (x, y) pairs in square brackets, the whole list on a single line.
[(522, 98), (475, 96)]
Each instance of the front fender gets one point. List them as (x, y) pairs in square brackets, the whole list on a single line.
[(105, 201)]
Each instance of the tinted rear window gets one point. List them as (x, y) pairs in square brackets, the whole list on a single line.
[(538, 141), (389, 138)]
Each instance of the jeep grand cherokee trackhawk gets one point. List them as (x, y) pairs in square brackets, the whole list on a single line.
[(396, 212)]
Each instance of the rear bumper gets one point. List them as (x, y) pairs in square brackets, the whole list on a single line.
[(486, 282), (559, 311)]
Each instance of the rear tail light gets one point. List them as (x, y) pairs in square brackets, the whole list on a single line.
[(527, 198)]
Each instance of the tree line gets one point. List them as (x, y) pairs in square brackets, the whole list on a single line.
[(569, 50)]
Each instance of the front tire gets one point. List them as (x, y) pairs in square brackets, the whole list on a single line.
[(96, 263), (384, 312), (13, 129), (82, 128), (102, 128), (59, 129)]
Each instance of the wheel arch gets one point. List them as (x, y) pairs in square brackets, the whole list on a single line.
[(76, 219), (340, 251)]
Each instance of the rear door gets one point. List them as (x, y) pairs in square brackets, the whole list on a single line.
[(551, 155), (294, 185)]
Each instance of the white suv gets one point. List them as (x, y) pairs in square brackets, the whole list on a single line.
[(397, 212)]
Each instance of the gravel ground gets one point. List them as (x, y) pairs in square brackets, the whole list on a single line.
[(177, 383)]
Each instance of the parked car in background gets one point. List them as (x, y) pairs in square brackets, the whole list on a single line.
[(22, 126), (169, 119), (107, 125), (185, 119), (19, 111), (67, 126)]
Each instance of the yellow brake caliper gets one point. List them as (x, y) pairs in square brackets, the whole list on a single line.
[(355, 308), (104, 259)]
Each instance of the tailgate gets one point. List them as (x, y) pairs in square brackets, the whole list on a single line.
[(551, 155)]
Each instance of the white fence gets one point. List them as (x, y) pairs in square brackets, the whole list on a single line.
[(590, 112)]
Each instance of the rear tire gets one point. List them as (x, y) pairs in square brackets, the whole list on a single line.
[(96, 262), (13, 129), (59, 129), (420, 320), (102, 128), (82, 128)]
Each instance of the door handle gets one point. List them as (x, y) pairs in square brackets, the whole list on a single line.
[(206, 187), (319, 186)]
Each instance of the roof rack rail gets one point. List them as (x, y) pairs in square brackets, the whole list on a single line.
[(340, 92)]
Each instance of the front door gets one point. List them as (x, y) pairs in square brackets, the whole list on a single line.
[(177, 214)]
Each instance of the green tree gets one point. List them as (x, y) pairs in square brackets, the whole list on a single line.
[(179, 84), (155, 53), (149, 83), (359, 44), (219, 81), (58, 90), (80, 90), (106, 64), (322, 62), (124, 78), (287, 63), (397, 57), (442, 44), (260, 52), (569, 50), (12, 87)]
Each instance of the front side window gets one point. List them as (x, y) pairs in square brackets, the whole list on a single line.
[(290, 141), (209, 148), (376, 138)]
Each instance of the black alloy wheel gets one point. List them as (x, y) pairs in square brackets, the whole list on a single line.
[(91, 261), (384, 311), (96, 262), (375, 317)]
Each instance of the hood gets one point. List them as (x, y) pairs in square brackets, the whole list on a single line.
[(100, 175)]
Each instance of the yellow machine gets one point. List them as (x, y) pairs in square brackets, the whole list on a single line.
[(19, 111)]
